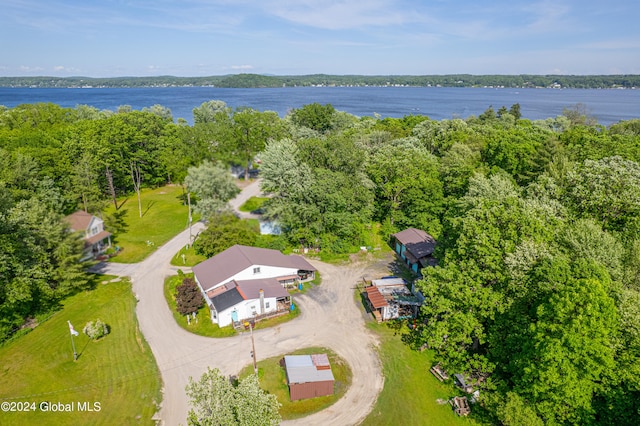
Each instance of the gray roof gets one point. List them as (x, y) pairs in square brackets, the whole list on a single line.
[(250, 289), (418, 243), (238, 258), (300, 369), (227, 299), (460, 379)]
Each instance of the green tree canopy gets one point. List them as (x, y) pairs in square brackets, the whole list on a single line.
[(214, 186), (216, 401)]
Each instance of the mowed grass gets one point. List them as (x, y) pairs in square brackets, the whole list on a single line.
[(411, 393), (164, 215), (117, 371), (191, 258), (273, 379), (204, 326)]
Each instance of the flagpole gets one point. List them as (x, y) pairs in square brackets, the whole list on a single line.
[(73, 345)]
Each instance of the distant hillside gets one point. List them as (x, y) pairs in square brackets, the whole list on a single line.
[(257, 81)]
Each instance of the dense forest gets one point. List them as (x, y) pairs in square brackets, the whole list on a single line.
[(257, 80), (536, 297)]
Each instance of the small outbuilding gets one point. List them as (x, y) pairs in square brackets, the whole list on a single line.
[(390, 298), (308, 376), (415, 247)]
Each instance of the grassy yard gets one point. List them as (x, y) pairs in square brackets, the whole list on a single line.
[(410, 391), (164, 215), (117, 371), (204, 326), (191, 258), (253, 203), (273, 379)]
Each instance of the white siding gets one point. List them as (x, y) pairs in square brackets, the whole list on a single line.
[(245, 311)]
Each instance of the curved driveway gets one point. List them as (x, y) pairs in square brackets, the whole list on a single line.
[(330, 317)]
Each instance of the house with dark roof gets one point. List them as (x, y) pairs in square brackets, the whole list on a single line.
[(244, 283), (308, 376), (415, 247), (96, 239)]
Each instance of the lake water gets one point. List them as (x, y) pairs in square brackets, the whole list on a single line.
[(608, 105)]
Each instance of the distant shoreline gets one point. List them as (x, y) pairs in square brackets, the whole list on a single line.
[(238, 81)]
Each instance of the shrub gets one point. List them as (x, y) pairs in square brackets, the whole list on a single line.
[(96, 330), (188, 297)]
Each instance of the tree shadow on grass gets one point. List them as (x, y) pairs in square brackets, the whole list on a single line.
[(149, 205), (122, 204)]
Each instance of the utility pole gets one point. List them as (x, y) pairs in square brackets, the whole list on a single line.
[(190, 219), (253, 352)]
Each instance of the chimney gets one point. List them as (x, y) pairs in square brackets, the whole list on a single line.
[(261, 301)]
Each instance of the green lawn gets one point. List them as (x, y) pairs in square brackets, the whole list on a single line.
[(273, 379), (204, 326), (191, 258), (164, 215), (410, 391), (117, 371), (252, 204)]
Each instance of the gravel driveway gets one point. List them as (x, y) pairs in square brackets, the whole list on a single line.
[(330, 317)]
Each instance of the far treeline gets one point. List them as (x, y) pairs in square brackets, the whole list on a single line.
[(258, 81), (536, 295)]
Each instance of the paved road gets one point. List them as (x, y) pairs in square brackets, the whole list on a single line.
[(251, 190), (329, 318)]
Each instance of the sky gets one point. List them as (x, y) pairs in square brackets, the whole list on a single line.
[(110, 38)]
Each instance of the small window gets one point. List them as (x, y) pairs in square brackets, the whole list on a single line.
[(266, 305), (256, 270)]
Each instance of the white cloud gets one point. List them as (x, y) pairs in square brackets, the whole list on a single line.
[(29, 69), (548, 15), (241, 67), (340, 14)]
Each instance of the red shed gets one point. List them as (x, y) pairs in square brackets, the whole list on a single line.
[(308, 376)]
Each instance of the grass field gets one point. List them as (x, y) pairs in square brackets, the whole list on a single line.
[(410, 391), (164, 215), (253, 203), (273, 379), (117, 371)]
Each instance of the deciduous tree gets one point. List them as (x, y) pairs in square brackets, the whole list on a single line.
[(216, 401), (213, 185)]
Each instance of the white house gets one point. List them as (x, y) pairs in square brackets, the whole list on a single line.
[(248, 282), (240, 300), (96, 239)]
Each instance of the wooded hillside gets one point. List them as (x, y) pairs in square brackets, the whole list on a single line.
[(258, 80)]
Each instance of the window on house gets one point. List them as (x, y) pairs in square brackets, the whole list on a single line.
[(266, 305), (256, 270), (94, 230)]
